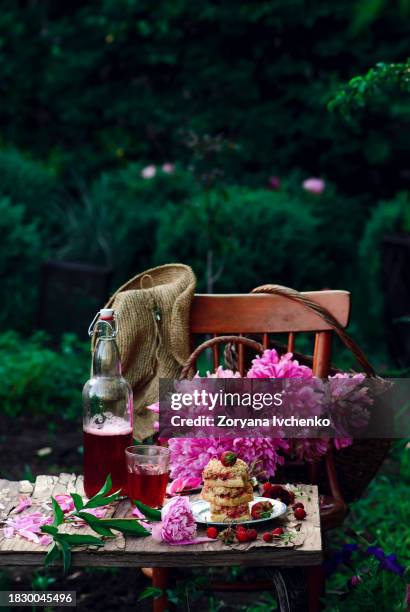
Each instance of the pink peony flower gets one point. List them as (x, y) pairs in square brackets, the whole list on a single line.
[(309, 449), (274, 183), (65, 502), (271, 365), (221, 373), (149, 172), (178, 525), (314, 185), (168, 168), (180, 484), (24, 502), (342, 442), (189, 456), (348, 401)]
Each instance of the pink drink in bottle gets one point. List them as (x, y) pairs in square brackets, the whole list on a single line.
[(108, 413)]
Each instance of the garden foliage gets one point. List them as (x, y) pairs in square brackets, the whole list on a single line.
[(37, 380), (89, 88)]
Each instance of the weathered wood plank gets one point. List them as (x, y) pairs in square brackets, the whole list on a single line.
[(9, 496), (133, 551), (256, 557), (43, 488)]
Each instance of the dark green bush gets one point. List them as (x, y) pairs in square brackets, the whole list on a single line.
[(90, 88), (114, 222), (238, 238), (30, 183), (37, 380), (21, 250), (387, 217)]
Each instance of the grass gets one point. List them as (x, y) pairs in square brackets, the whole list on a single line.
[(382, 516)]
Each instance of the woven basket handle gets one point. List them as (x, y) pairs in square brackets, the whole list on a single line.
[(327, 316), (252, 344)]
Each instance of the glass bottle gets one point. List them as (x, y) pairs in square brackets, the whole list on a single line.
[(107, 411)]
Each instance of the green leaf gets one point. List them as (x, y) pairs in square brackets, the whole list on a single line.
[(78, 501), (58, 513), (150, 592), (79, 540), (150, 513), (129, 526), (49, 529), (95, 501), (66, 553), (95, 524), (105, 488), (52, 555)]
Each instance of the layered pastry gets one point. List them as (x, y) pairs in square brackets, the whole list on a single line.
[(227, 488)]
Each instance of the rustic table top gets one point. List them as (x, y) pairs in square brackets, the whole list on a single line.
[(121, 551)]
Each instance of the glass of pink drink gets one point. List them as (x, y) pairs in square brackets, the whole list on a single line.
[(148, 474)]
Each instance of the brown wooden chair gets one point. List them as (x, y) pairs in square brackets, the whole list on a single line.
[(272, 310)]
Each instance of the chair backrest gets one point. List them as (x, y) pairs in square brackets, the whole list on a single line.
[(263, 314)]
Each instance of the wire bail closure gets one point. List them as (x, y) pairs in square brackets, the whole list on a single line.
[(93, 327)]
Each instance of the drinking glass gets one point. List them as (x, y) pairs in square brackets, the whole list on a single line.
[(148, 473)]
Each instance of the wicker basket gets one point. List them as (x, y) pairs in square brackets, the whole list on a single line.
[(355, 465)]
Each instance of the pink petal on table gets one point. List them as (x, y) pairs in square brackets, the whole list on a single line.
[(154, 407), (180, 484), (24, 502), (8, 531), (65, 502), (45, 540), (137, 512), (98, 512), (29, 535), (156, 532)]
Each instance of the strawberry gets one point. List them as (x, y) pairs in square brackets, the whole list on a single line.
[(266, 489), (252, 534), (212, 532), (267, 537), (276, 533), (299, 513), (279, 492), (228, 459), (241, 535), (261, 509), (298, 505)]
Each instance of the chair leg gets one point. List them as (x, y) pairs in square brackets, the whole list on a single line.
[(316, 583), (161, 579)]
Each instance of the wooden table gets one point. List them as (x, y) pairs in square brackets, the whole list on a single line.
[(145, 552)]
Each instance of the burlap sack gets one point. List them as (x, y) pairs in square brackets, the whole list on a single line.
[(153, 333)]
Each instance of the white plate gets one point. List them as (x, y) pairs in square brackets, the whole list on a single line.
[(202, 514)]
